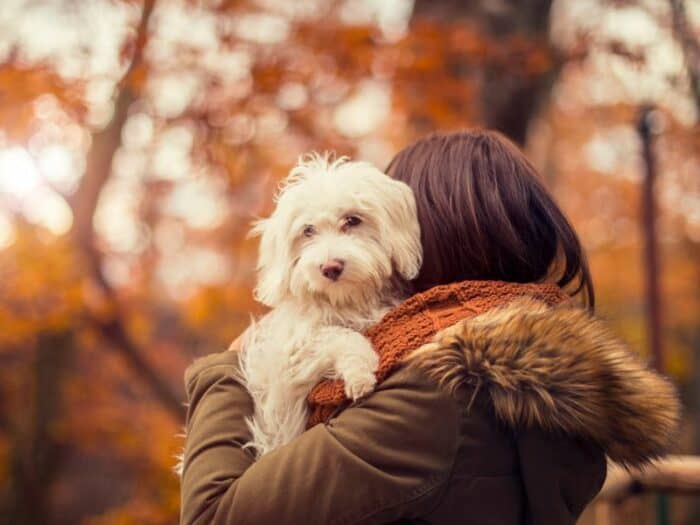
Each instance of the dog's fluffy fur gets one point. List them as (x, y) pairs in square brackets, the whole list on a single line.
[(341, 212)]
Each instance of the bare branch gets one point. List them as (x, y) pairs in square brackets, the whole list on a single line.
[(690, 46), (106, 142), (98, 170), (114, 331)]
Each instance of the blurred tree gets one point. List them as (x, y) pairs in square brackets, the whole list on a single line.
[(510, 95), (177, 143), (689, 44), (37, 456), (98, 169)]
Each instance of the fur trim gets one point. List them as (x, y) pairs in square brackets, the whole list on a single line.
[(559, 369)]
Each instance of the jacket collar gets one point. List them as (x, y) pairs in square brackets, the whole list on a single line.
[(416, 321), (560, 369)]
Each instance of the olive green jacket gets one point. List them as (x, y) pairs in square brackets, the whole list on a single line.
[(504, 419)]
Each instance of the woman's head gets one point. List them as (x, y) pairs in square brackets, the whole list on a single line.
[(485, 214)]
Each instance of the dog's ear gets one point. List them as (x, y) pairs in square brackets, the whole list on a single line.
[(273, 260), (401, 228), (274, 254)]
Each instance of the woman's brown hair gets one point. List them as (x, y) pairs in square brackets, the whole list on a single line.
[(485, 214)]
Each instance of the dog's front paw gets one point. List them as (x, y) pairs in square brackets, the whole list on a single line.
[(359, 385)]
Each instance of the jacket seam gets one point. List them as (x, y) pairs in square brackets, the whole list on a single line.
[(493, 476), (453, 465), (198, 374), (433, 482), (418, 492)]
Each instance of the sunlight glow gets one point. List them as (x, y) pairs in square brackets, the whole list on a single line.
[(22, 183), (19, 174), (200, 202), (7, 231), (391, 16), (171, 158), (364, 111), (182, 272), (261, 28), (49, 210), (116, 219), (57, 166)]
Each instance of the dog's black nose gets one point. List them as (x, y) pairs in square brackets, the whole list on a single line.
[(332, 269)]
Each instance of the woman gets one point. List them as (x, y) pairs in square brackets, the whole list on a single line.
[(505, 415)]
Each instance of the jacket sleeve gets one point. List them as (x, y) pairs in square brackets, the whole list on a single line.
[(385, 458), (560, 475)]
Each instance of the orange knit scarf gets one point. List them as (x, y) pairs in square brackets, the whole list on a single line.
[(414, 322)]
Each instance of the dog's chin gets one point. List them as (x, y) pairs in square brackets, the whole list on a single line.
[(343, 292), (339, 291)]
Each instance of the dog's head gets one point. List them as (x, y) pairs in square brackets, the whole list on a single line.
[(340, 231)]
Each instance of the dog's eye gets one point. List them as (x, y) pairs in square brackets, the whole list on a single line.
[(309, 231), (352, 220)]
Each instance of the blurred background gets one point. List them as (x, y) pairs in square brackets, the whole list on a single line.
[(139, 138)]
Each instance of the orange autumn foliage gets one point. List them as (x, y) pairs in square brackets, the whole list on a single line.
[(178, 273)]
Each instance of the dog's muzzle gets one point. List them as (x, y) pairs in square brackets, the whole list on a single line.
[(333, 269)]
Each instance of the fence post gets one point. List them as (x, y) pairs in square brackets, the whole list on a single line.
[(645, 128)]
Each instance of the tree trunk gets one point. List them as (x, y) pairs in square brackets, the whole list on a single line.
[(508, 101), (105, 144), (36, 454)]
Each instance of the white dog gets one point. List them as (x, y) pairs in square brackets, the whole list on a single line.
[(333, 257)]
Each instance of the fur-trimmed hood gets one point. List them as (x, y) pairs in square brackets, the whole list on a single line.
[(560, 369)]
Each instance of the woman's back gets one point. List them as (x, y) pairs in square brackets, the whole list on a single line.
[(505, 418)]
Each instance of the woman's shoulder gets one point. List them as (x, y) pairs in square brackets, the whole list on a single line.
[(216, 364), (557, 369)]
